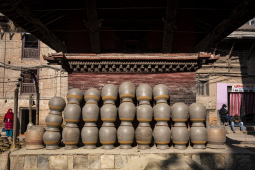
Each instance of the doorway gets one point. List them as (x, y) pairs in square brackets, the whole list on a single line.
[(24, 118)]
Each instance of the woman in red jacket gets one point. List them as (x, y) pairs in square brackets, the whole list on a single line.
[(8, 119)]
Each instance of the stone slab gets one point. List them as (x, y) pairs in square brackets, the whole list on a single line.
[(94, 162), (43, 162), (4, 160), (30, 162), (107, 161), (58, 162), (80, 162), (120, 161)]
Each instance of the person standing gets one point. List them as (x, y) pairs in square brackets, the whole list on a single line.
[(8, 120), (236, 121), (224, 114)]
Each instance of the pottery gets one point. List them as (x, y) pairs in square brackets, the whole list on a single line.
[(125, 136), (180, 137), (144, 94), (108, 114), (74, 96), (143, 135), (144, 115), (162, 114), (34, 137), (92, 96), (107, 136), (72, 114), (109, 94), (90, 114), (52, 140), (180, 113), (127, 92), (89, 137), (56, 105), (161, 93), (216, 138), (198, 136), (53, 122), (162, 135), (197, 113), (71, 136), (127, 113)]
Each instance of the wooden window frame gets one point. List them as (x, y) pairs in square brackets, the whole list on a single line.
[(22, 85), (24, 50)]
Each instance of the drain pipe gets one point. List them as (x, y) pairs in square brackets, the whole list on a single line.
[(30, 111), (37, 98)]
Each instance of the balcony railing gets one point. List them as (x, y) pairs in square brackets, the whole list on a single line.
[(30, 53), (28, 88)]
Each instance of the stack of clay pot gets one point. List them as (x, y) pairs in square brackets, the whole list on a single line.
[(143, 132), (53, 121), (107, 132), (162, 111), (5, 144), (90, 114), (127, 110), (72, 115), (34, 137), (198, 132), (180, 134), (22, 143)]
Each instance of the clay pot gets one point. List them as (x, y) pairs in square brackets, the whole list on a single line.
[(71, 136), (56, 105), (162, 135), (144, 115), (180, 137), (89, 137), (53, 122), (125, 136), (92, 96), (127, 112), (109, 94), (162, 114), (216, 138), (108, 114), (198, 136), (51, 140), (144, 94), (180, 113), (143, 135), (197, 113), (90, 113), (72, 114), (107, 136), (74, 96), (34, 137), (161, 93), (127, 91)]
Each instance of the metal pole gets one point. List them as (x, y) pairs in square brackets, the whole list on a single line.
[(30, 111), (15, 116), (37, 98)]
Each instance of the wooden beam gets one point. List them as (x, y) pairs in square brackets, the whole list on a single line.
[(169, 26), (93, 25), (24, 12), (217, 34)]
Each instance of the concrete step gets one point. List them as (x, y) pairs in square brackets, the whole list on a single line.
[(250, 129)]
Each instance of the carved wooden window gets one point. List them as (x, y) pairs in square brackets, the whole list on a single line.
[(30, 47), (202, 88), (28, 85)]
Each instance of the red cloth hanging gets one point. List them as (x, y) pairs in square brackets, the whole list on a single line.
[(235, 103)]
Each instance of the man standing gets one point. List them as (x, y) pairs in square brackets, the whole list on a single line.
[(236, 121), (224, 114)]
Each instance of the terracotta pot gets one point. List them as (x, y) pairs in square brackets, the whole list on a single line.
[(34, 137), (125, 136), (109, 94), (74, 96), (51, 140), (107, 136), (144, 94), (161, 93), (144, 115), (90, 113), (162, 135), (71, 136), (53, 122), (180, 137), (56, 105), (180, 112), (127, 91), (108, 114), (127, 112), (198, 136), (89, 137), (216, 138), (143, 135), (72, 115), (197, 113), (92, 96), (162, 114)]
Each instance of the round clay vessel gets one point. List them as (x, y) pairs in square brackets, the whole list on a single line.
[(107, 136), (90, 113), (197, 113), (198, 136), (34, 137), (108, 114), (74, 96), (53, 122), (180, 137), (89, 137), (125, 136), (144, 94), (180, 112), (92, 96), (109, 94), (144, 115), (127, 91), (143, 135), (71, 136), (72, 115), (56, 105), (162, 135), (51, 140), (161, 93), (216, 138), (127, 112), (162, 113)]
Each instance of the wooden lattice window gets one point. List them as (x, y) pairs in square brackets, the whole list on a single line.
[(30, 47), (28, 85), (202, 88)]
